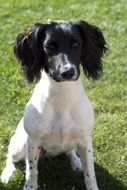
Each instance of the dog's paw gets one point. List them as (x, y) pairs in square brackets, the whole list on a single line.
[(30, 185), (7, 173), (91, 183), (93, 187), (76, 164)]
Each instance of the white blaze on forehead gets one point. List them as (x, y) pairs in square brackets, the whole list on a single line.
[(63, 23), (49, 21)]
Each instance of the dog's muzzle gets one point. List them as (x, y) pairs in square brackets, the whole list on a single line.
[(65, 74)]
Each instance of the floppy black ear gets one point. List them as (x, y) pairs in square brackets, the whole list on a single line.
[(28, 49), (94, 47)]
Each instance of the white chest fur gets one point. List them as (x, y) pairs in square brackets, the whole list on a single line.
[(58, 115)]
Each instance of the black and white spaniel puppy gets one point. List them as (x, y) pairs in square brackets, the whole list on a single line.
[(58, 117)]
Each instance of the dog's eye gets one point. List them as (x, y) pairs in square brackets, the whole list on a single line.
[(51, 46), (75, 44)]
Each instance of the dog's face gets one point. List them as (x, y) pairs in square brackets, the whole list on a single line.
[(59, 48), (62, 48)]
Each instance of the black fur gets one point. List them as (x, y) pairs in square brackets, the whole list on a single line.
[(94, 47), (30, 49)]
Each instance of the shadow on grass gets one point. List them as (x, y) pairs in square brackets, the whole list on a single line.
[(55, 174)]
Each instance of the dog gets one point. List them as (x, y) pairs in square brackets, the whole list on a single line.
[(59, 117)]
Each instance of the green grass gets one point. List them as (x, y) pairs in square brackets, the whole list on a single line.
[(108, 95)]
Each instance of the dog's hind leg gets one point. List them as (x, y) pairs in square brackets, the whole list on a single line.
[(75, 161), (16, 151)]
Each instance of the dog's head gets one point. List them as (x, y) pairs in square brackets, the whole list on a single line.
[(59, 48)]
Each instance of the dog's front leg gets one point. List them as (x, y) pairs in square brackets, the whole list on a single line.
[(32, 155), (86, 154)]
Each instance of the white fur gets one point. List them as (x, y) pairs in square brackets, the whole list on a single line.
[(59, 118)]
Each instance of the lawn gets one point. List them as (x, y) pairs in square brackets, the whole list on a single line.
[(108, 95)]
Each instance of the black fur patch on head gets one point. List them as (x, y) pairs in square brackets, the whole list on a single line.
[(52, 46)]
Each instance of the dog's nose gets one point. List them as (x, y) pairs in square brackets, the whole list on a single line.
[(68, 74)]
